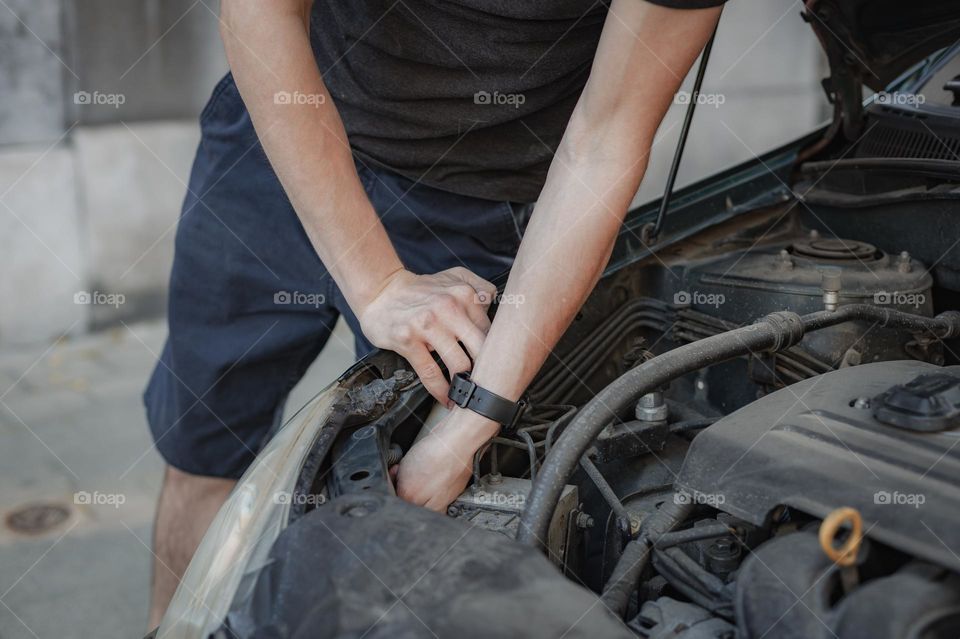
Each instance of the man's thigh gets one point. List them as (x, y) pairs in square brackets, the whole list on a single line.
[(250, 303)]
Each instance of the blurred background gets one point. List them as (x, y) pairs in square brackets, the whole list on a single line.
[(99, 102)]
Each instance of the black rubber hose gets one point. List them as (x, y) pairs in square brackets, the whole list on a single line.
[(945, 325), (774, 332), (688, 577), (636, 554), (638, 381), (697, 533), (692, 572)]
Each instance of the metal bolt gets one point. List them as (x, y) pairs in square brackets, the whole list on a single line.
[(785, 262), (494, 479), (852, 357), (652, 408), (830, 285), (584, 520), (814, 234), (724, 546), (903, 264), (357, 510)]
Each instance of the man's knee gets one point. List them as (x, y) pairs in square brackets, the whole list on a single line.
[(187, 505), (189, 502), (180, 485)]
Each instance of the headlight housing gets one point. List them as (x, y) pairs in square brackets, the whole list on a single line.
[(238, 541)]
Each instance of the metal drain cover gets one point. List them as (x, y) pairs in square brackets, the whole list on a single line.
[(836, 249), (34, 519)]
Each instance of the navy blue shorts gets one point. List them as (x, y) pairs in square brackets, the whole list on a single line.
[(251, 304)]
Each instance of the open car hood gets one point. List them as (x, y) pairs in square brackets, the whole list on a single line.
[(871, 42)]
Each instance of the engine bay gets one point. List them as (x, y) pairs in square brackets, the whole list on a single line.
[(794, 476)]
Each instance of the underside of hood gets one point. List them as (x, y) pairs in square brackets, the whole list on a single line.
[(871, 42)]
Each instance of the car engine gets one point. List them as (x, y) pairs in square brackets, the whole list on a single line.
[(753, 435), (774, 458)]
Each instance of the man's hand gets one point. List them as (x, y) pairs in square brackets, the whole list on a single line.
[(416, 314), (436, 470)]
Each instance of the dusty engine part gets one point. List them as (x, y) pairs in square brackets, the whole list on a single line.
[(622, 440), (788, 588), (341, 570), (497, 502), (667, 618), (928, 403), (826, 450), (792, 277), (812, 273)]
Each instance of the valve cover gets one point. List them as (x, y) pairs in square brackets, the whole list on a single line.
[(816, 446)]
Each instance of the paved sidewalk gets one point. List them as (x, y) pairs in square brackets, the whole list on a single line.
[(71, 423)]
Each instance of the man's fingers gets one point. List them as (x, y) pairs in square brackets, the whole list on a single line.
[(436, 505), (471, 336), (452, 354), (485, 290), (477, 312), (429, 372)]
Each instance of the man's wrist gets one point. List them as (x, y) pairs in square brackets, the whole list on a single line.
[(470, 429), (372, 284), (499, 384)]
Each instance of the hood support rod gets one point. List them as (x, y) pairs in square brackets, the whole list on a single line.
[(651, 230)]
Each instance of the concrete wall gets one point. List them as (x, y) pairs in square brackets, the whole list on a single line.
[(90, 193), (98, 102), (32, 104), (161, 55)]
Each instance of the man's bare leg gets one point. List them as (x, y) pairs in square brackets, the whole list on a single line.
[(187, 505)]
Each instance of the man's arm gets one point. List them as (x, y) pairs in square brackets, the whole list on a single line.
[(644, 53), (268, 47)]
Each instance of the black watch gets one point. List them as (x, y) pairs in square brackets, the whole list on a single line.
[(466, 394)]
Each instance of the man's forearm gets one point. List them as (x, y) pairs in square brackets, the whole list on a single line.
[(564, 251), (268, 48), (594, 176), (414, 315)]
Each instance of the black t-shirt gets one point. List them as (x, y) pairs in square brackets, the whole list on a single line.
[(469, 96)]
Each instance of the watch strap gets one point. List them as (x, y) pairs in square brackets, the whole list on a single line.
[(465, 393)]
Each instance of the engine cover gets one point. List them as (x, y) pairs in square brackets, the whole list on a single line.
[(816, 446)]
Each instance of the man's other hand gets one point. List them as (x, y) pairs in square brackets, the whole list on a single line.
[(437, 468), (445, 313)]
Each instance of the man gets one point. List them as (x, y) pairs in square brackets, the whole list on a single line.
[(378, 159)]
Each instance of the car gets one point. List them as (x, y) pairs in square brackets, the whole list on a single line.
[(750, 429)]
